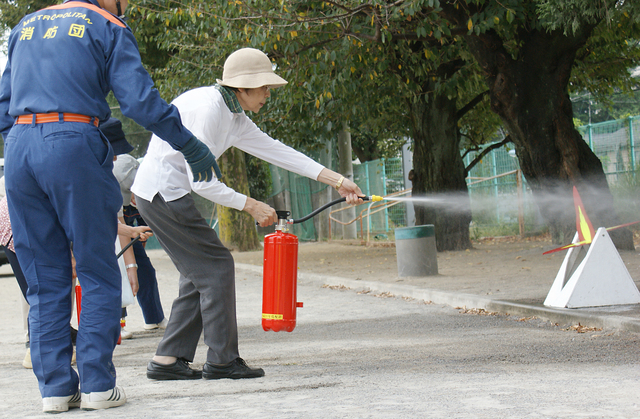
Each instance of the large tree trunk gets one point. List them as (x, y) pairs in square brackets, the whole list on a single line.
[(237, 228), (530, 94), (438, 168)]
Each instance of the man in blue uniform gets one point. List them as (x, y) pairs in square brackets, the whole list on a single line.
[(62, 63)]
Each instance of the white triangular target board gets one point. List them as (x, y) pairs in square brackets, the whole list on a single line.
[(599, 279)]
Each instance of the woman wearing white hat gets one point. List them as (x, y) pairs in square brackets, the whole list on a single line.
[(206, 300)]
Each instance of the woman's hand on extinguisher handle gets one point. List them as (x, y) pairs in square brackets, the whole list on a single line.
[(263, 213)]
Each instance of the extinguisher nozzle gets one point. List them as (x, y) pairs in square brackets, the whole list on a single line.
[(372, 198)]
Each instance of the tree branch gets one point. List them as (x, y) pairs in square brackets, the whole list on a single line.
[(486, 151), (466, 108)]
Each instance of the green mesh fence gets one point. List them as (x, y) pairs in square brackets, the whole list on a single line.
[(294, 193), (378, 177), (371, 177), (494, 200), (394, 175), (491, 189), (382, 177), (614, 142)]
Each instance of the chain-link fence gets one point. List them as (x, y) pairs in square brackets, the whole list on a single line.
[(382, 177), (496, 204), (614, 142), (493, 197)]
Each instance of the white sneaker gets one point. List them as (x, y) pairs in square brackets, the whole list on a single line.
[(103, 399), (26, 362), (153, 326), (125, 334), (60, 404)]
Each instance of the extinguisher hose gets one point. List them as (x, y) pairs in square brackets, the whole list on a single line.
[(330, 204), (127, 246)]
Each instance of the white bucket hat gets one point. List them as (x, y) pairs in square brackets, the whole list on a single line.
[(249, 68), (125, 168)]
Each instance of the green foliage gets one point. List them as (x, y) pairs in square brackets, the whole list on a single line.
[(602, 66), (571, 15), (259, 176), (350, 60), (586, 108), (11, 12)]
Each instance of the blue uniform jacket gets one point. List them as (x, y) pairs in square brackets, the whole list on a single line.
[(66, 58)]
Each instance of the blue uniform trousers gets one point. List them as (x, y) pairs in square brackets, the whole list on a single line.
[(61, 191)]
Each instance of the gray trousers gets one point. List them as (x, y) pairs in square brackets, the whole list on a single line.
[(207, 296)]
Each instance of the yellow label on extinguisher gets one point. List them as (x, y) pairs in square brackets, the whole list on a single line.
[(272, 316)]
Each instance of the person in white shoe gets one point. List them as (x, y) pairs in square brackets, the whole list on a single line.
[(162, 189)]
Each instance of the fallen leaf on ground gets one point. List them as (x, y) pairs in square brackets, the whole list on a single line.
[(583, 329)]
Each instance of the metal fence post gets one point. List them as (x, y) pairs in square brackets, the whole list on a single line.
[(520, 202), (366, 171), (632, 147), (384, 193), (494, 172)]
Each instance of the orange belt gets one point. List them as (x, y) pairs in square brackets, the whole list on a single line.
[(42, 118)]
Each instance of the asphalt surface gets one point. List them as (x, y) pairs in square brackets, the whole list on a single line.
[(365, 349)]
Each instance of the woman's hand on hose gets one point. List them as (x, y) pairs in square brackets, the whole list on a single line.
[(351, 191), (143, 231), (345, 187)]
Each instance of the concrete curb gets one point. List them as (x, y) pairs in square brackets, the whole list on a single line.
[(593, 317)]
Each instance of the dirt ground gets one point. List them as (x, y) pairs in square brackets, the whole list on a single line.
[(494, 266)]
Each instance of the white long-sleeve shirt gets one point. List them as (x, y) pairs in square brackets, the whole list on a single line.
[(204, 112)]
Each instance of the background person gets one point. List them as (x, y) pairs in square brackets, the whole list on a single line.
[(62, 62), (162, 187), (148, 296)]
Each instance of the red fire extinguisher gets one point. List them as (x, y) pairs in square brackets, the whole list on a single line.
[(280, 276)]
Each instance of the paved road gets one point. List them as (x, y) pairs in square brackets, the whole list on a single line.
[(360, 355)]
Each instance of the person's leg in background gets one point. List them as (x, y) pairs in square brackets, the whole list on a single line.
[(124, 333), (22, 283), (148, 293), (26, 362)]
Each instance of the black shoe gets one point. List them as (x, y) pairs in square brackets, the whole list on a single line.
[(179, 370), (235, 369)]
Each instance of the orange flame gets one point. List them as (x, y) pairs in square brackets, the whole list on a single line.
[(583, 224)]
